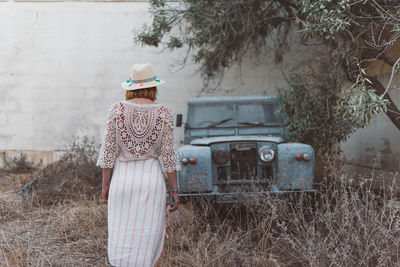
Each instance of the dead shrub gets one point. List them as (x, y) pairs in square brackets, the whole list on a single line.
[(74, 176), (348, 225)]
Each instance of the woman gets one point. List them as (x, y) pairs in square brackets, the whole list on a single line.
[(137, 147)]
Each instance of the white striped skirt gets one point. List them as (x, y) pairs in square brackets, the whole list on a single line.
[(136, 213)]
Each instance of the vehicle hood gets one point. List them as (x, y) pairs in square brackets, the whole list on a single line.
[(236, 138)]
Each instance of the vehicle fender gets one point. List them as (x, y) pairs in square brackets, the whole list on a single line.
[(292, 173), (195, 177)]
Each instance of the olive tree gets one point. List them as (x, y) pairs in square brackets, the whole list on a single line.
[(327, 102)]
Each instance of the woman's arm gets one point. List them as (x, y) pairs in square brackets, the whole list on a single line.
[(169, 158), (174, 185), (108, 151), (107, 173)]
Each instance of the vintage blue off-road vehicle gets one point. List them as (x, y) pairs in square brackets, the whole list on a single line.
[(235, 145)]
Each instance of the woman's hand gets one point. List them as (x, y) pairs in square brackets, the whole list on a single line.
[(174, 206), (174, 191), (107, 173)]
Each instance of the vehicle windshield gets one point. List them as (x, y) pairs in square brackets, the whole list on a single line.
[(230, 115), (203, 116), (258, 114)]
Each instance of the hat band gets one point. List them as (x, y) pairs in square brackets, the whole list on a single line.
[(144, 81)]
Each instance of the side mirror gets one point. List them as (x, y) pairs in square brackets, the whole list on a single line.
[(178, 120)]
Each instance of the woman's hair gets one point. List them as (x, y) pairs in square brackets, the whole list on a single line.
[(149, 93)]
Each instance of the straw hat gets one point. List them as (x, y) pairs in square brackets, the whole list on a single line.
[(142, 76)]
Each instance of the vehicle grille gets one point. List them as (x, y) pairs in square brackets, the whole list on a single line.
[(267, 171), (243, 161)]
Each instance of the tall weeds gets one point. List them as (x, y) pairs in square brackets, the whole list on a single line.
[(346, 223), (350, 221)]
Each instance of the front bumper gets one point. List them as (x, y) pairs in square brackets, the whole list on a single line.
[(240, 197)]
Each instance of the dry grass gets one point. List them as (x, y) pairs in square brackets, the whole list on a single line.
[(70, 233), (345, 224)]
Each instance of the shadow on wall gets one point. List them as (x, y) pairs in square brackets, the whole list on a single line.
[(388, 159), (384, 159)]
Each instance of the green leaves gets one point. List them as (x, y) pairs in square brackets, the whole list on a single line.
[(325, 18), (310, 105), (174, 42), (364, 104), (322, 112), (218, 33)]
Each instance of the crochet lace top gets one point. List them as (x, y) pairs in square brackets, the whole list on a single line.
[(139, 131)]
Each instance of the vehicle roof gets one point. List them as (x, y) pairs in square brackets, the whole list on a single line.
[(233, 99)]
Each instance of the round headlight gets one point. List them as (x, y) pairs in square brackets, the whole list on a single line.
[(306, 157), (220, 156), (266, 154)]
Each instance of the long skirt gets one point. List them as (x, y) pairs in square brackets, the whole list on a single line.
[(136, 213)]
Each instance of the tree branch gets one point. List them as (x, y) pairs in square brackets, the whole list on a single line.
[(392, 112)]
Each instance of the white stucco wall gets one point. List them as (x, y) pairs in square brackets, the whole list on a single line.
[(61, 65)]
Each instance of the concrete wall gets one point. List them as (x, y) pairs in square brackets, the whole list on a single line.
[(61, 65), (377, 146)]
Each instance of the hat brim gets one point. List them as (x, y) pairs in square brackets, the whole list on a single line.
[(136, 86)]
